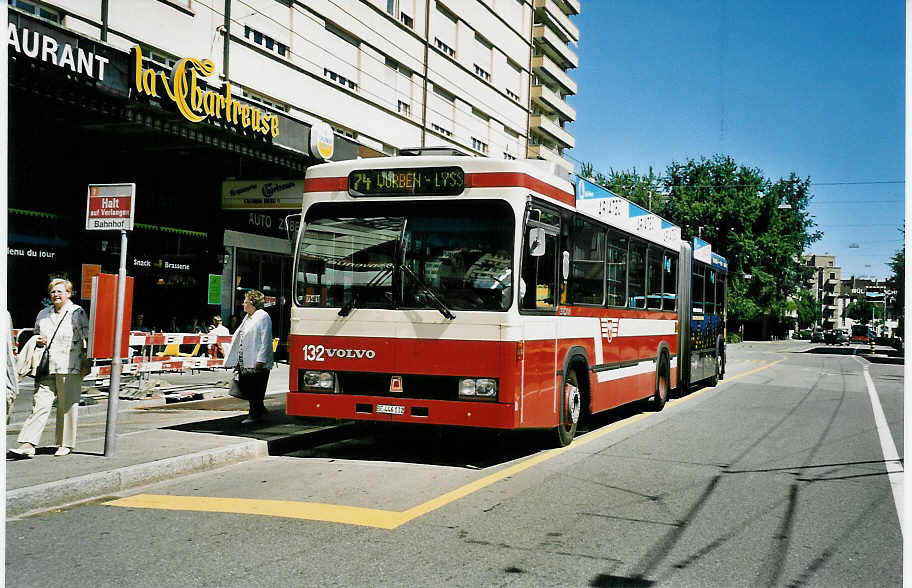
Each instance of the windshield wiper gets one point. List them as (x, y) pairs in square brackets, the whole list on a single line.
[(438, 303), (348, 306), (375, 281)]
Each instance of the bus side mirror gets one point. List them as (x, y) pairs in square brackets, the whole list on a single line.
[(536, 242)]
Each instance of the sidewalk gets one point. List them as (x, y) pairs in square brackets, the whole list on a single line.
[(156, 441)]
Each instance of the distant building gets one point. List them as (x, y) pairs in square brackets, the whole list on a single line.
[(879, 295), (825, 285)]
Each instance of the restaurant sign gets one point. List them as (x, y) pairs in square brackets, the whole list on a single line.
[(253, 194), (186, 89)]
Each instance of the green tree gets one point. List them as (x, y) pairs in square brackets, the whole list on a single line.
[(807, 308), (860, 310)]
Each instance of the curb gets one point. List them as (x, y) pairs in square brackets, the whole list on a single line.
[(32, 499), (50, 495)]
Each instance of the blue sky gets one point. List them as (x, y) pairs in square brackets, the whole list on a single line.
[(811, 87)]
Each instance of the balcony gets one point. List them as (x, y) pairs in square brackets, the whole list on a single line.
[(543, 66), (551, 131), (569, 6), (548, 10), (551, 103), (552, 45), (546, 153)]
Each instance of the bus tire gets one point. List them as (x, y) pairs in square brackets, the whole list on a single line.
[(721, 359), (570, 407), (662, 382), (717, 364)]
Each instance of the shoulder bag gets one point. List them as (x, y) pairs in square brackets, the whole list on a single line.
[(44, 364)]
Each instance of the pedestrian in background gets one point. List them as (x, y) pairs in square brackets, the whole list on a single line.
[(251, 354), (12, 372), (62, 329), (217, 328)]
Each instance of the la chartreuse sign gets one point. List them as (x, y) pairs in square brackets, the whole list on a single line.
[(192, 102)]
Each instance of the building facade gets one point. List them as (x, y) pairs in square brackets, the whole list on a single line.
[(552, 58), (216, 109), (879, 295), (825, 285)]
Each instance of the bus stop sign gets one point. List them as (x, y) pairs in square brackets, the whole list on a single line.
[(110, 207)]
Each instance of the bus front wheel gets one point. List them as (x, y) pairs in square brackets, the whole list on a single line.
[(570, 408)]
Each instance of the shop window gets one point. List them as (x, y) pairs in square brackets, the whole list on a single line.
[(265, 41), (256, 97), (37, 9), (444, 47), (343, 132), (441, 130), (339, 79)]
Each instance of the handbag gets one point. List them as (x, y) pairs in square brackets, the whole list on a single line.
[(44, 364), (234, 389)]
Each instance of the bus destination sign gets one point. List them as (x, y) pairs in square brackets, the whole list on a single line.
[(417, 181)]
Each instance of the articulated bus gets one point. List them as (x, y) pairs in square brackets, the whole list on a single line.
[(474, 292)]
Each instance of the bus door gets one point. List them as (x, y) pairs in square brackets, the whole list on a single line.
[(539, 294)]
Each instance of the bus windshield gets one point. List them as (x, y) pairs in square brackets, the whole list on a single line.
[(406, 254)]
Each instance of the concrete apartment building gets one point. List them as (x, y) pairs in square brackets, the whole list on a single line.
[(92, 100), (825, 285)]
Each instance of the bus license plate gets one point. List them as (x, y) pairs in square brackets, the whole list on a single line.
[(390, 409)]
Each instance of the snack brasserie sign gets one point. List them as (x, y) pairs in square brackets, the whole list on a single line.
[(195, 103)]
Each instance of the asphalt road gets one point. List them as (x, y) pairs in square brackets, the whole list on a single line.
[(775, 477)]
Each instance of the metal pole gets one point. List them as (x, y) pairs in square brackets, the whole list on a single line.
[(104, 20), (114, 389)]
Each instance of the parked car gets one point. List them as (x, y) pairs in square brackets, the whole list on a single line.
[(836, 337), (817, 337)]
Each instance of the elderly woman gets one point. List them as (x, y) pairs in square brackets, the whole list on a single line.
[(62, 329), (251, 354)]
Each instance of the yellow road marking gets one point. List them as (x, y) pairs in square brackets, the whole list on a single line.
[(371, 517)]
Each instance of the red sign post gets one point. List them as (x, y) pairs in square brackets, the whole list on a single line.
[(104, 316)]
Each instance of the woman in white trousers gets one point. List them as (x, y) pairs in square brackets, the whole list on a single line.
[(63, 329)]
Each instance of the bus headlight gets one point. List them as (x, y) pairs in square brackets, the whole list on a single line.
[(321, 381), (478, 387)]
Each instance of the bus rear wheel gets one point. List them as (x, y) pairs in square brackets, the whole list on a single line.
[(662, 385), (570, 408)]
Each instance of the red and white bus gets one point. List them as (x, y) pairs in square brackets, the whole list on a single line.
[(479, 292)]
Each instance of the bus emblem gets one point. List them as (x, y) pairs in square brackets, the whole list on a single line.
[(609, 328)]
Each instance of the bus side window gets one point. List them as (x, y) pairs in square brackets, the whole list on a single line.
[(636, 287), (539, 272), (616, 274), (654, 278), (698, 292), (670, 281), (588, 270), (712, 295)]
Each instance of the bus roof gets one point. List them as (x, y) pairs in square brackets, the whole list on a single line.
[(546, 178)]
